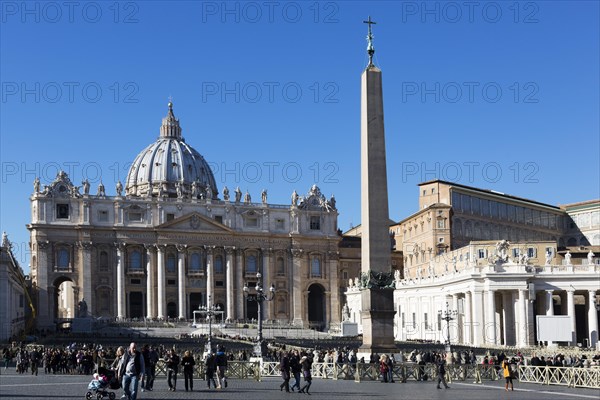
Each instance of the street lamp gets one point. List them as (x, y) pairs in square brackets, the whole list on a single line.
[(447, 315), (259, 296), (209, 310)]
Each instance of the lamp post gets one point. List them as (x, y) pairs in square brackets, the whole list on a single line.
[(259, 296), (209, 310), (447, 315)]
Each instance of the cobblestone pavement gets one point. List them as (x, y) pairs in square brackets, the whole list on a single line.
[(14, 386)]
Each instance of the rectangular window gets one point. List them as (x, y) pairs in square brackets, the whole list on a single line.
[(481, 253), (414, 320), (439, 322), (485, 207), (456, 204), (426, 323), (62, 211), (494, 209), (466, 202), (475, 205), (441, 224), (516, 253), (279, 223), (403, 321), (315, 222), (136, 281), (135, 216), (219, 218), (532, 252), (251, 222), (171, 282), (170, 217), (102, 215), (502, 210), (219, 283)]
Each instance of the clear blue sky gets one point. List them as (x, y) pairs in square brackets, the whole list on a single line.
[(498, 95)]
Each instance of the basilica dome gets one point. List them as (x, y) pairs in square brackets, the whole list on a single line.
[(170, 167)]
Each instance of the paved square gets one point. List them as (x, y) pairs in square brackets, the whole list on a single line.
[(14, 386)]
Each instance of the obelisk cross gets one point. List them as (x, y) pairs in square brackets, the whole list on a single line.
[(370, 48)]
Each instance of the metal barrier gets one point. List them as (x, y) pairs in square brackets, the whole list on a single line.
[(564, 376), (403, 372)]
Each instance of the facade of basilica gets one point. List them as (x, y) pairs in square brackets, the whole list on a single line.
[(169, 242)]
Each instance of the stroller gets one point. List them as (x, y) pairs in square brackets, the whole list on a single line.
[(104, 379)]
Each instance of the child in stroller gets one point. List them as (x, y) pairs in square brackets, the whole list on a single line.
[(103, 379)]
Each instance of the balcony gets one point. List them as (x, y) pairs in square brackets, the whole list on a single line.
[(135, 272)]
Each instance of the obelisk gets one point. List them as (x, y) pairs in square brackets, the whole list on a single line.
[(377, 315)]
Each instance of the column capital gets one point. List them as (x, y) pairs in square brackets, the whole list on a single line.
[(161, 248), (150, 247), (43, 245), (333, 255), (229, 250), (549, 291), (267, 252), (209, 250), (120, 246), (296, 253), (83, 244), (181, 248)]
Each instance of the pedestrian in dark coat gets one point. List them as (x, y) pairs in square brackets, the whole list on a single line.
[(188, 370), (284, 367)]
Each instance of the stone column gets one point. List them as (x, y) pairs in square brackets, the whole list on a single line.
[(296, 286), (508, 309), (478, 321), (85, 280), (549, 307), (210, 276), (468, 322), (522, 326), (150, 293), (181, 252), (456, 331), (45, 315), (336, 310), (121, 280), (239, 270), (267, 280), (490, 335), (592, 318), (161, 282), (571, 313), (229, 282)]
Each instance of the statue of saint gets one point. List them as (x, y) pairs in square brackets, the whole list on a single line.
[(209, 192), (194, 190), (225, 193), (86, 186), (568, 258), (238, 194), (82, 309), (119, 189), (101, 190), (332, 202), (548, 257), (345, 313), (590, 258), (263, 196), (247, 198), (36, 185), (295, 198), (350, 283), (179, 189)]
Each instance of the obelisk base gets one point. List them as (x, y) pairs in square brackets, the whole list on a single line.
[(377, 318)]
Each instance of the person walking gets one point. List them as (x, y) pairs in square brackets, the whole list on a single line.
[(383, 368), (209, 369), (441, 372), (508, 376), (284, 367), (391, 361), (131, 369), (306, 364), (221, 366), (172, 362), (188, 370), (296, 369)]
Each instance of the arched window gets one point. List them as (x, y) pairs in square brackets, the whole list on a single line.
[(251, 264), (171, 263), (195, 262), (219, 264), (315, 267), (280, 267), (63, 259), (135, 260)]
